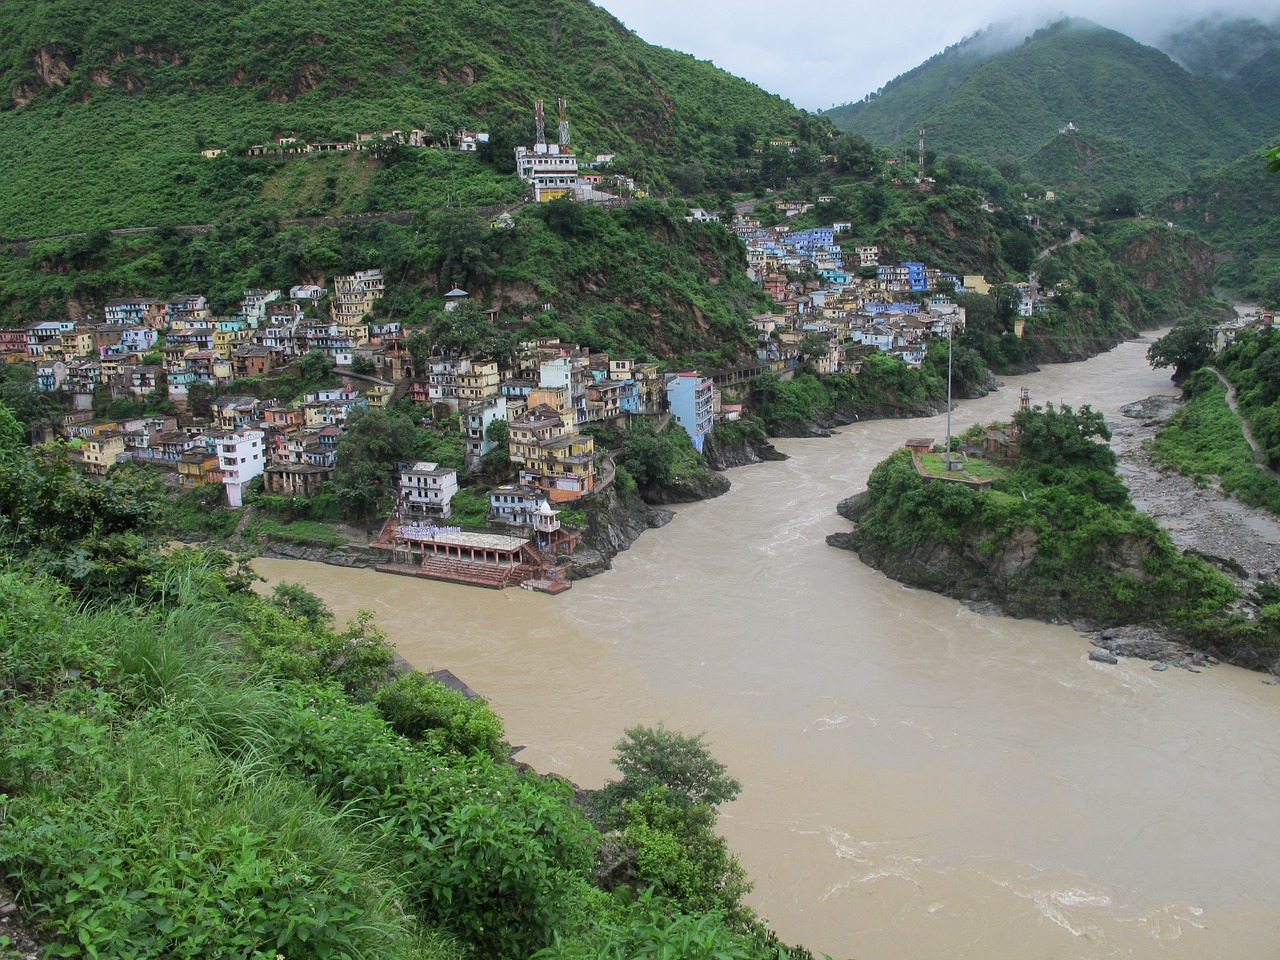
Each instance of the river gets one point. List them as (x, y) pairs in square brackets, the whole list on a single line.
[(919, 781)]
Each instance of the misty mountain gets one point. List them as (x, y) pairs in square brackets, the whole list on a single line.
[(1080, 105)]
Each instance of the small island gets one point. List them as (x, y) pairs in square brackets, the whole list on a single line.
[(1038, 523)]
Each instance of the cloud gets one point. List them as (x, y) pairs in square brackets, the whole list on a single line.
[(834, 52)]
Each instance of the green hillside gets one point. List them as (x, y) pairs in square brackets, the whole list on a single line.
[(1156, 123), (898, 108), (107, 105), (1237, 209), (1242, 52)]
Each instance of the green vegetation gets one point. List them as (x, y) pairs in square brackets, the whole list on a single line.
[(1146, 125), (1237, 208), (638, 281), (1057, 537), (84, 84), (883, 382), (1205, 440), (191, 769)]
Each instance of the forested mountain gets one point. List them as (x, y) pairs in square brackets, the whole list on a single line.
[(1133, 118), (1242, 52), (106, 105), (1237, 208)]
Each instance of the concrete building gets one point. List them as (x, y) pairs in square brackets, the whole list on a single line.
[(691, 398), (241, 457)]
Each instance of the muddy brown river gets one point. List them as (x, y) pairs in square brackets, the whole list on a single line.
[(919, 781)]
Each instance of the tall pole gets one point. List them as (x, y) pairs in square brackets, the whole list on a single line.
[(951, 326)]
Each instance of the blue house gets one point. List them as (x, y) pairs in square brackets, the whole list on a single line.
[(691, 398)]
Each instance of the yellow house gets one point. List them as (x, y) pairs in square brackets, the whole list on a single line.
[(976, 283), (480, 382), (551, 455), (100, 452), (198, 467), (78, 342)]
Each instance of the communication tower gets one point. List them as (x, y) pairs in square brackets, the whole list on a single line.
[(564, 125)]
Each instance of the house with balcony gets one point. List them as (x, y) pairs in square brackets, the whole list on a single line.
[(474, 422), (134, 311), (236, 413), (241, 458), (551, 455), (355, 295), (50, 375), (477, 380), (250, 360), (198, 466), (43, 338), (426, 491), (691, 399), (253, 305), (187, 310)]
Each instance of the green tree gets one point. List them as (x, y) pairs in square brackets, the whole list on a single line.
[(460, 246), (1186, 348), (498, 432), (648, 457), (856, 155), (651, 757), (422, 708), (1063, 437), (467, 330), (315, 366), (368, 450)]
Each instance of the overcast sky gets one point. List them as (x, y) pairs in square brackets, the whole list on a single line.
[(819, 53)]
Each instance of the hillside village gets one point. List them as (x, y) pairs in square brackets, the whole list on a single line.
[(834, 308)]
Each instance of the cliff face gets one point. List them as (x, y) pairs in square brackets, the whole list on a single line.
[(613, 524)]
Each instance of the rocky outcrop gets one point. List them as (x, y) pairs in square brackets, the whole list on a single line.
[(704, 486), (721, 453), (1148, 643), (349, 555), (613, 524)]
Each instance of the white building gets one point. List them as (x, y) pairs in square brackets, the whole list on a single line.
[(241, 457), (427, 489)]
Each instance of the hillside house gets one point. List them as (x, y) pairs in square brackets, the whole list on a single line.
[(691, 399), (426, 491), (241, 458)]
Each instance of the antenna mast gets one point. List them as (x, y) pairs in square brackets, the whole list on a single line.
[(542, 124), (920, 160), (564, 124)]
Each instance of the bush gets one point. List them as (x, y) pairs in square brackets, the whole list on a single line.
[(421, 708)]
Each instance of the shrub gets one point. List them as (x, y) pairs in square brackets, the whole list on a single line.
[(421, 708)]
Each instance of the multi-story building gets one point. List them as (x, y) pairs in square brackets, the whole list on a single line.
[(477, 380), (241, 457), (99, 452), (551, 456), (355, 295), (691, 398), (133, 311), (551, 173), (427, 489), (475, 422)]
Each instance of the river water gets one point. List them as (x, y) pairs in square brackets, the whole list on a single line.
[(919, 781)]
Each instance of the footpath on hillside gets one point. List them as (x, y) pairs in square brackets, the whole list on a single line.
[(1200, 519)]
